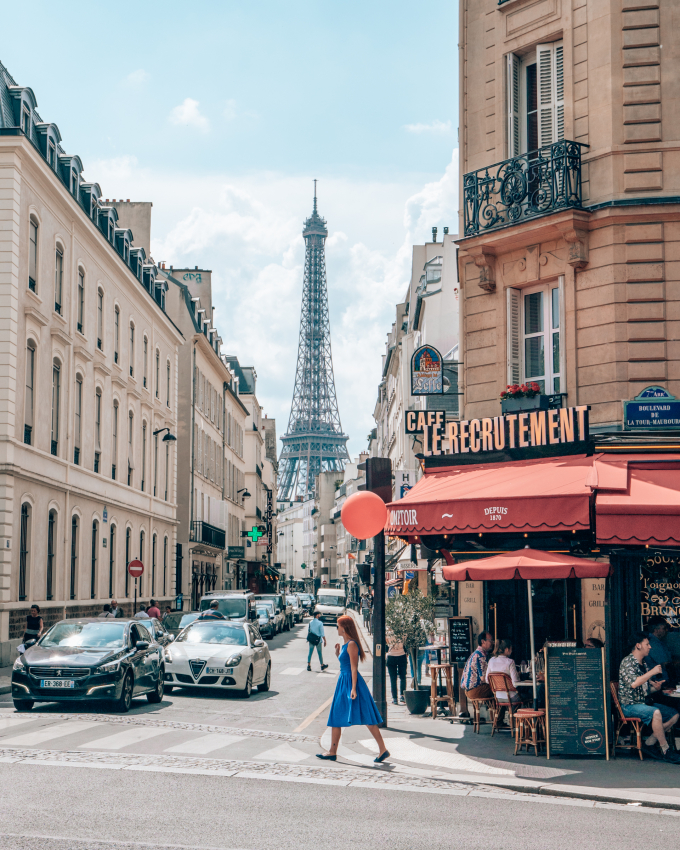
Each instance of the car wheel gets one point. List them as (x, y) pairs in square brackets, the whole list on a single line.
[(267, 680), (168, 689), (123, 703), (23, 704), (157, 695), (247, 691)]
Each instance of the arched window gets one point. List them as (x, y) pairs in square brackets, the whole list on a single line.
[(146, 361), (97, 429), (74, 556), (158, 374), (56, 392), (100, 319), (132, 350), (112, 558), (128, 542), (141, 557), (154, 541), (93, 561), (29, 396), (81, 301), (167, 384), (51, 540), (32, 254), (155, 464), (58, 278), (131, 462), (116, 335), (78, 425), (167, 469), (143, 455), (24, 549), (114, 448), (165, 566)]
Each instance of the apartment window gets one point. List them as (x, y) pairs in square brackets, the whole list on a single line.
[(51, 154), (155, 464), (146, 355), (114, 447), (165, 565), (141, 557), (143, 455), (158, 374), (97, 429), (154, 543), (112, 558), (74, 556), (130, 465), (58, 279), (100, 319), (132, 349), (56, 389), (535, 98), (74, 182), (78, 420), (81, 300), (24, 542), (32, 254), (51, 531), (29, 394), (167, 384), (167, 469), (128, 540), (25, 121), (93, 560), (535, 350), (116, 335)]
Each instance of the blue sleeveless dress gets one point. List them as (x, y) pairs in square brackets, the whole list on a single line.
[(346, 711)]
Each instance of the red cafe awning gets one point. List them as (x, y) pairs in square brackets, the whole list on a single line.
[(525, 564), (638, 501), (546, 494)]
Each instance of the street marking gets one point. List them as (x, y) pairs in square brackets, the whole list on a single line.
[(12, 722), (344, 752), (292, 671), (284, 752), (125, 739), (405, 749), (46, 733), (206, 744), (305, 723)]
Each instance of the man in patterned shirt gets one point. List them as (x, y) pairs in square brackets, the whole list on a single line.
[(474, 672), (634, 685)]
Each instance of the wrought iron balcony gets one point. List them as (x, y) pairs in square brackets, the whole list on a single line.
[(203, 532), (534, 184)]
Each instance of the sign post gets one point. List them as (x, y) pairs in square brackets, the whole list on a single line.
[(135, 569)]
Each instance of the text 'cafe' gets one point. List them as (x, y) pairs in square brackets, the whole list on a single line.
[(538, 478)]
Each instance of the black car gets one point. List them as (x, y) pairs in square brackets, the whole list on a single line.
[(157, 630), (89, 659)]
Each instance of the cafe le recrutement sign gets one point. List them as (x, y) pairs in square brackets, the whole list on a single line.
[(655, 407)]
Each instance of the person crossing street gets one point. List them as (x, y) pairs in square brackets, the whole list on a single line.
[(315, 634)]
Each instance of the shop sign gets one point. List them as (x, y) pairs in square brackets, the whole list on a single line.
[(655, 407), (236, 552), (404, 479), (427, 371), (660, 592), (522, 430)]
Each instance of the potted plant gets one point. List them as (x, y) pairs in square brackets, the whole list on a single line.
[(517, 397), (409, 618)]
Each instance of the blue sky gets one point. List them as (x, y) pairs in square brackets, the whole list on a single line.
[(221, 113)]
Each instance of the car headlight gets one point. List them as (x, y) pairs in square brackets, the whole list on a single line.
[(234, 661), (18, 664), (167, 655), (111, 667)]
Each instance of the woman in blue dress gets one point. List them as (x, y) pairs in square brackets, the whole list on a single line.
[(352, 703)]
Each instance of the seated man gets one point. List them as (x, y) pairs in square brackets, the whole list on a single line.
[(634, 685), (473, 677)]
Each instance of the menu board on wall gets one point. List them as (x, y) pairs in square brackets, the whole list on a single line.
[(576, 701), (460, 639)]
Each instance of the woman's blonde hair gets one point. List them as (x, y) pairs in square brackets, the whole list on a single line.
[(502, 646)]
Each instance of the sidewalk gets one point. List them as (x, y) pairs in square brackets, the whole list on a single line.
[(441, 749)]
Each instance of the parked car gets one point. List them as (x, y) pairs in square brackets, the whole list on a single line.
[(307, 602), (298, 611), (276, 614), (90, 659), (218, 654), (266, 621), (237, 605), (175, 621), (286, 608), (157, 631)]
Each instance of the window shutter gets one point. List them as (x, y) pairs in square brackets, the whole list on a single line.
[(559, 91), (550, 60), (563, 337), (513, 104), (514, 333)]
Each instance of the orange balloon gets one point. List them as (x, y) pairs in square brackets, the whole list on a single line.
[(364, 514)]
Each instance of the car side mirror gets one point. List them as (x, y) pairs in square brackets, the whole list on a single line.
[(171, 638), (142, 644), (31, 642), (259, 643)]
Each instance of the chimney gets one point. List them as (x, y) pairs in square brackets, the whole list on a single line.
[(446, 231), (434, 234)]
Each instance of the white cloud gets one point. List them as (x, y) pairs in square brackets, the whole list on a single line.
[(137, 78), (187, 114), (435, 126)]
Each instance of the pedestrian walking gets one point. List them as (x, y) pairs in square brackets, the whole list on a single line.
[(153, 610), (352, 703), (34, 624), (316, 634), (366, 610), (396, 667)]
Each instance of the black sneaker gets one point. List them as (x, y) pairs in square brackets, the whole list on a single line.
[(670, 757), (309, 667), (323, 666), (395, 702)]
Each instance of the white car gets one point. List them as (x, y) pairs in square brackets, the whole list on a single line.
[(218, 654)]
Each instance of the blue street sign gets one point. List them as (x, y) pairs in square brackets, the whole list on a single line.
[(410, 574), (655, 407), (391, 592)]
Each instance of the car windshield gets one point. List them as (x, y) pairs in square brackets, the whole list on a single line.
[(292, 600), (331, 600), (85, 635), (263, 612), (229, 606), (275, 600), (269, 605), (177, 620), (215, 632)]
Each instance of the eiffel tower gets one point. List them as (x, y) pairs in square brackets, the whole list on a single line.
[(314, 441)]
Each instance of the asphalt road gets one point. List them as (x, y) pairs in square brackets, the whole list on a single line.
[(210, 771)]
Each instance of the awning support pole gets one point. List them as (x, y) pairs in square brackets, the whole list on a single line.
[(532, 640)]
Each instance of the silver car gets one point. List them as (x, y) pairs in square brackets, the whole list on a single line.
[(298, 611)]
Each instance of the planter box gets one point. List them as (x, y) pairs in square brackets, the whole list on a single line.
[(513, 405), (418, 701)]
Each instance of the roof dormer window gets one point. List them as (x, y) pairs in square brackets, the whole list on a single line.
[(25, 120), (110, 230), (73, 187), (51, 154)]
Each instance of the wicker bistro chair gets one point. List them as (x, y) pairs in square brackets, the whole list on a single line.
[(635, 724), (500, 682), (488, 702), (529, 729)]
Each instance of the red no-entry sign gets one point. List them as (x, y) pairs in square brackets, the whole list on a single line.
[(135, 568)]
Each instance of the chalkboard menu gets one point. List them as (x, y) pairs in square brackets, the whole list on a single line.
[(576, 701), (460, 639)]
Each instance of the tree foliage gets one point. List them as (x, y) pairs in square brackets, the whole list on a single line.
[(409, 618)]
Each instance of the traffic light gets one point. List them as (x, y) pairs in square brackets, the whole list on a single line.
[(364, 572), (378, 477)]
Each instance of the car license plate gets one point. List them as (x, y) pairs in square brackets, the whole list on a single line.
[(220, 671), (57, 683)]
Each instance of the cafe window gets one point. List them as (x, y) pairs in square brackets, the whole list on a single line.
[(535, 344), (535, 98)]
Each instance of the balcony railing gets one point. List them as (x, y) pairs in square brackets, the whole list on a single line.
[(203, 532), (534, 184)]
